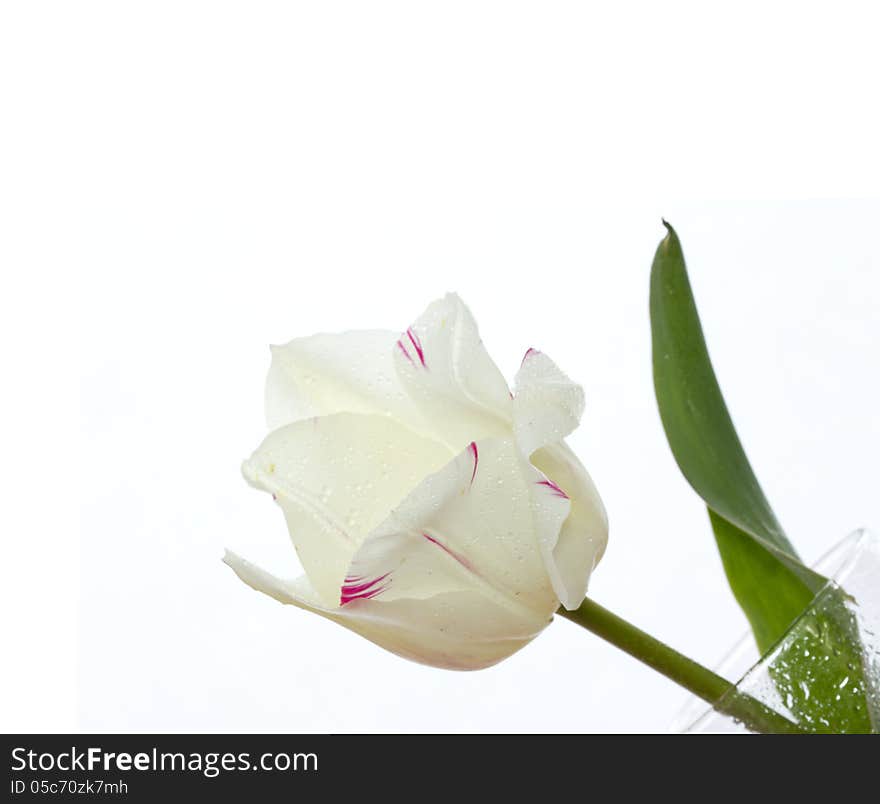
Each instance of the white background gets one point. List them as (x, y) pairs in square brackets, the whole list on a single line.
[(184, 183)]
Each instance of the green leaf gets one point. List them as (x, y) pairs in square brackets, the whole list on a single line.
[(770, 583), (770, 594)]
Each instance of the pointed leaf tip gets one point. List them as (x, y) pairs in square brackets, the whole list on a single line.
[(670, 243)]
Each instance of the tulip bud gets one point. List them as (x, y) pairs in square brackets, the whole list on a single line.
[(434, 512)]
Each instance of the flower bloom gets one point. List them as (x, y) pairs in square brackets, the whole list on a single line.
[(434, 512)]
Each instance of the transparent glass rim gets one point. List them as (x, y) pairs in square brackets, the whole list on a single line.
[(837, 565)]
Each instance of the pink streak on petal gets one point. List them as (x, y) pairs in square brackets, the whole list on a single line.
[(418, 346), (405, 353), (557, 492), (460, 559), (528, 354), (472, 447), (354, 584), (355, 589)]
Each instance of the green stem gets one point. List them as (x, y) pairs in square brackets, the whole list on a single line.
[(707, 685)]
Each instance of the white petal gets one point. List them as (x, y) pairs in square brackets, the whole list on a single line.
[(297, 592), (547, 405), (336, 478), (445, 368), (584, 534), (333, 373), (470, 527), (458, 631)]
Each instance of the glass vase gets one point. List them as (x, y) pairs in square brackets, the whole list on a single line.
[(810, 676)]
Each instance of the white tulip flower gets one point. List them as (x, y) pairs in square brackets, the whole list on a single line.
[(434, 512)]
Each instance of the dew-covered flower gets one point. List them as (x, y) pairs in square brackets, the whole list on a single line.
[(434, 512)]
